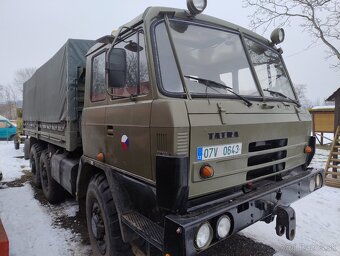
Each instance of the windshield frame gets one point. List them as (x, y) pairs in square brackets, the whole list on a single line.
[(241, 35)]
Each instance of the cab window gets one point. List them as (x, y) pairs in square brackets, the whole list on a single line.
[(98, 90), (137, 77)]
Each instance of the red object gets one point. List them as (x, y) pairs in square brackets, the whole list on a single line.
[(4, 243)]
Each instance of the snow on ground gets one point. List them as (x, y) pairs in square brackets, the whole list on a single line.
[(11, 162), (31, 226), (317, 219), (327, 138)]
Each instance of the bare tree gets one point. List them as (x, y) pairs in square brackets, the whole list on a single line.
[(301, 90), (12, 93), (320, 18), (21, 76), (8, 101), (2, 96)]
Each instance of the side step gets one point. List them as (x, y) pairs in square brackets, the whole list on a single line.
[(145, 228)]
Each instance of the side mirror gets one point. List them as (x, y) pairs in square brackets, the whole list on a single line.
[(117, 68)]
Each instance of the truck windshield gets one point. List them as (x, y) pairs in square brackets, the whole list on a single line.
[(270, 71), (216, 55), (207, 53)]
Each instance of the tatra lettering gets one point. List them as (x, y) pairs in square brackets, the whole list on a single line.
[(222, 135)]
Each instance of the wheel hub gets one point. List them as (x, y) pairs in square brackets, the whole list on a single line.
[(98, 228)]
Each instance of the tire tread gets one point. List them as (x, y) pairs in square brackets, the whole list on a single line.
[(55, 194), (35, 155), (118, 247)]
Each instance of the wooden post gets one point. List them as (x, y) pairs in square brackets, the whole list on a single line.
[(336, 124), (313, 123)]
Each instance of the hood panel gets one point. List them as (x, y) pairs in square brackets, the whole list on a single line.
[(272, 140)]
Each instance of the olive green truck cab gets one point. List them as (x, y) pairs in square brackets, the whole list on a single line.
[(178, 130)]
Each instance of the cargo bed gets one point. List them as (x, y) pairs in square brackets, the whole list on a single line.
[(54, 97)]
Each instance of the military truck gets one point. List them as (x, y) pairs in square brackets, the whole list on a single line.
[(173, 133)]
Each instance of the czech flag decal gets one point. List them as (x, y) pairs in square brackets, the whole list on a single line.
[(124, 141)]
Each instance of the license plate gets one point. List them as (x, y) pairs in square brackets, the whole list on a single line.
[(212, 152)]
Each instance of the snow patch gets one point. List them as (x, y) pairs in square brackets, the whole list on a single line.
[(330, 107), (317, 222), (30, 227), (11, 161)]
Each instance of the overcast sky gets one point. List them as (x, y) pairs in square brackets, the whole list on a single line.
[(31, 31)]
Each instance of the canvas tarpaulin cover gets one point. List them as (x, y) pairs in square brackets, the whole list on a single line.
[(50, 94)]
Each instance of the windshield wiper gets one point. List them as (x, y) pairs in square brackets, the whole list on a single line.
[(213, 84), (282, 95)]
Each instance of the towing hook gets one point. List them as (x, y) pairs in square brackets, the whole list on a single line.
[(285, 222)]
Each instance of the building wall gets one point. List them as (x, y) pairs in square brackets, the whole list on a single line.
[(323, 121)]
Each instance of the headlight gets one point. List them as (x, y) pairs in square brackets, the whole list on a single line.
[(223, 226), (312, 184), (318, 181), (196, 6), (277, 36), (204, 236)]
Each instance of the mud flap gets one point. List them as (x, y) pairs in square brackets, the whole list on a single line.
[(285, 222)]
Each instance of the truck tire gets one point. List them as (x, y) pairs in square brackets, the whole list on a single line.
[(102, 220), (53, 192), (27, 149), (34, 161)]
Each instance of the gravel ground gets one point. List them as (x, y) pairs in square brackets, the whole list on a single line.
[(239, 245)]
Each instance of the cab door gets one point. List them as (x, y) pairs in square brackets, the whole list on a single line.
[(96, 98), (128, 112)]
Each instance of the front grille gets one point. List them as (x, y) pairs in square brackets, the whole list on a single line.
[(265, 158), (268, 144)]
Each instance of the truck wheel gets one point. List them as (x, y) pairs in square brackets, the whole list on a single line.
[(102, 220), (34, 161), (27, 149), (51, 189)]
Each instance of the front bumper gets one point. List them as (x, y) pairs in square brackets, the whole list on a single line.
[(260, 204)]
